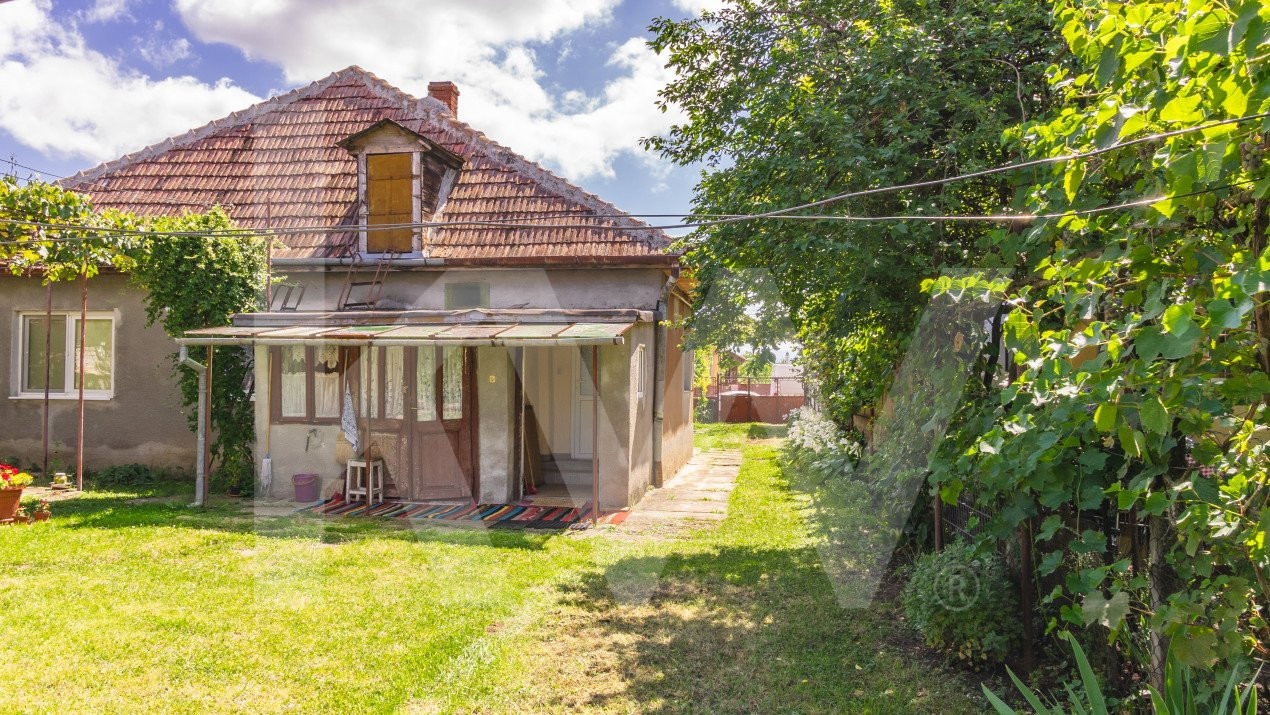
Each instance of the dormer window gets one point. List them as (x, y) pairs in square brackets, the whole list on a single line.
[(403, 178), (390, 201)]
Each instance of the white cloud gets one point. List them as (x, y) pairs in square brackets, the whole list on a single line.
[(696, 6), (162, 54), (482, 45), (106, 10), (61, 98)]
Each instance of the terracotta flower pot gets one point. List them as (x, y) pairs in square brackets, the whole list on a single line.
[(40, 516), (9, 500)]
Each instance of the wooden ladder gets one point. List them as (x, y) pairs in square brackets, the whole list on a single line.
[(364, 294)]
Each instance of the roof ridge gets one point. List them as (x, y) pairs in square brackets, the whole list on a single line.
[(437, 110), (233, 119), (427, 109)]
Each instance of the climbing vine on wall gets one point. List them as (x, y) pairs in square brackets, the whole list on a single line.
[(199, 281)]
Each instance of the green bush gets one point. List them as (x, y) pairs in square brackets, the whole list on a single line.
[(239, 471), (963, 604), (125, 475)]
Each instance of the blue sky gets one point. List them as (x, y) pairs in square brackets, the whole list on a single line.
[(568, 83)]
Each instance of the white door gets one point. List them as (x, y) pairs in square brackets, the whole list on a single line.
[(583, 403)]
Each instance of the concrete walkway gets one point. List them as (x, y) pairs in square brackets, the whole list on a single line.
[(698, 493)]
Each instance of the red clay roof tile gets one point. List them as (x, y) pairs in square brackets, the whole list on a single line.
[(280, 159)]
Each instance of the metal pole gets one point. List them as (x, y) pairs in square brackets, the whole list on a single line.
[(1025, 591), (367, 406), (595, 434), (939, 523), (48, 363), (200, 477), (207, 427), (83, 325), (269, 256)]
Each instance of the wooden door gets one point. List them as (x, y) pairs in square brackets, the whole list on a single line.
[(389, 429), (441, 423)]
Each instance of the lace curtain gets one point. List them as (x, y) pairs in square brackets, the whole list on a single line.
[(293, 382)]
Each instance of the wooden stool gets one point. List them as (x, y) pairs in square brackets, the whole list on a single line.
[(364, 478)]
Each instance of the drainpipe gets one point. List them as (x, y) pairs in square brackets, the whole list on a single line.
[(200, 475), (659, 372)]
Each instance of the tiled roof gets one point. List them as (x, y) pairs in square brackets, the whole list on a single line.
[(278, 163)]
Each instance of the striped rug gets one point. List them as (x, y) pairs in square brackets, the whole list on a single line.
[(495, 516)]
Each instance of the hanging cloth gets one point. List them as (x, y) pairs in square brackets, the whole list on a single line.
[(348, 420)]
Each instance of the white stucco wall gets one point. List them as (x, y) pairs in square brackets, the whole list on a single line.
[(563, 288), (494, 392)]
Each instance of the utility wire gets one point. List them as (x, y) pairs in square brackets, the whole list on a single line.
[(999, 218), (708, 219)]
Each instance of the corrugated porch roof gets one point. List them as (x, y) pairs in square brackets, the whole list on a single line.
[(510, 334)]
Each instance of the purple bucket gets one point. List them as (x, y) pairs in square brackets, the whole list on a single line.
[(306, 487)]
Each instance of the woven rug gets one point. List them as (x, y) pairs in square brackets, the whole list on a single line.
[(494, 516)]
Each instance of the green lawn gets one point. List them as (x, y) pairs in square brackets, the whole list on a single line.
[(117, 606)]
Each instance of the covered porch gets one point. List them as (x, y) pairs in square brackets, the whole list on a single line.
[(527, 408)]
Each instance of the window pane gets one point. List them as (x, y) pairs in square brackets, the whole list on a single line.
[(452, 383), (99, 358), (36, 366), (293, 388), (327, 400), (466, 295), (394, 383), (426, 385), (585, 386)]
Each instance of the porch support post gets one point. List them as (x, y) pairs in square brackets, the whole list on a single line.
[(595, 435), (366, 407), (207, 427), (48, 362), (83, 325)]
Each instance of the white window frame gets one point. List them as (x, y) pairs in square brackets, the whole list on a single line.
[(640, 386), (70, 392), (363, 208)]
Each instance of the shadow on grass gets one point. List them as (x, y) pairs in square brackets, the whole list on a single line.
[(166, 506), (743, 630), (762, 430)]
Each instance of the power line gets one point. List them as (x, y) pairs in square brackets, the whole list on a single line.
[(707, 219), (998, 218)]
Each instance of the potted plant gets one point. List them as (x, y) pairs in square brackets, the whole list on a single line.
[(12, 482), (20, 516), (42, 511)]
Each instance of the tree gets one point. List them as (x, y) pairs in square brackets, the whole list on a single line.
[(191, 281), (790, 101), (1138, 388), (195, 281)]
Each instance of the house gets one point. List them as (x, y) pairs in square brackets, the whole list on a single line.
[(443, 304), (132, 406)]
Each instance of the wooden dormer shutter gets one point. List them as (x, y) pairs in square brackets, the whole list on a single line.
[(389, 200)]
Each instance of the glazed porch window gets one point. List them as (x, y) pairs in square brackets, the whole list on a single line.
[(306, 383), (389, 200), (60, 363), (452, 383)]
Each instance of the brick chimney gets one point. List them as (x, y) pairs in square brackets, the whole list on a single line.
[(447, 93)]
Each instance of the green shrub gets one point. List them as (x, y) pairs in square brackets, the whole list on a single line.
[(125, 475), (963, 604), (238, 471)]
